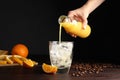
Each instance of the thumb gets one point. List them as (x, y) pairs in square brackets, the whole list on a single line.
[(84, 25)]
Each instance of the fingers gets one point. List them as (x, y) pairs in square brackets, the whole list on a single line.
[(71, 15), (78, 16), (85, 22), (73, 35)]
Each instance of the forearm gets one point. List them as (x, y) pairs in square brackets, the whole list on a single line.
[(91, 5)]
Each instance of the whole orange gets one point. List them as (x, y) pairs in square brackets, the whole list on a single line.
[(20, 49)]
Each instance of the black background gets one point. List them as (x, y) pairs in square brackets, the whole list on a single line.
[(34, 23)]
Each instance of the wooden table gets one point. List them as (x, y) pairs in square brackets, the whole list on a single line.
[(36, 73)]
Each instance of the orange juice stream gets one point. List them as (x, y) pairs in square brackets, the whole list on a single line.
[(60, 31)]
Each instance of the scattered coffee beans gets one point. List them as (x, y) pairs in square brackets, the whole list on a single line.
[(84, 69)]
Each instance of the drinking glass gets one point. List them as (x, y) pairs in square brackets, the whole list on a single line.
[(61, 55)]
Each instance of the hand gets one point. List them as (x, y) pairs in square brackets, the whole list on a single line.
[(79, 15)]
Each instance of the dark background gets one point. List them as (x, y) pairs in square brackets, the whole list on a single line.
[(34, 23)]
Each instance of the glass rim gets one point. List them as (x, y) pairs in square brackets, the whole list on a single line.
[(60, 41)]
